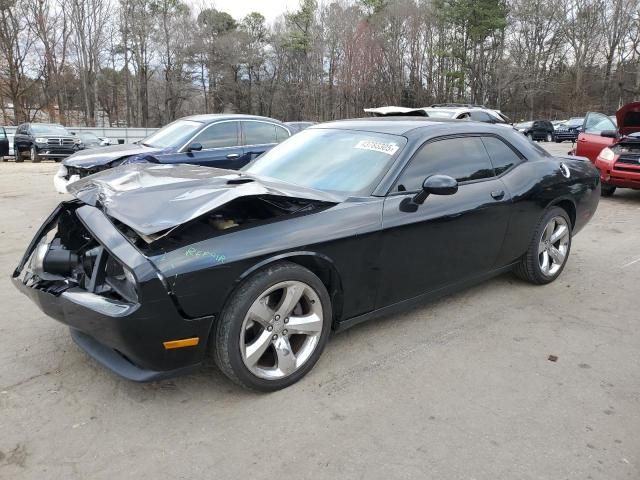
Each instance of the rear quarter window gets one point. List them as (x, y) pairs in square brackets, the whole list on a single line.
[(502, 156)]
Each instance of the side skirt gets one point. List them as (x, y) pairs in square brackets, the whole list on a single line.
[(420, 299)]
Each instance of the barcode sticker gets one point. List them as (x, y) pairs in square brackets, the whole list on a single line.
[(388, 148)]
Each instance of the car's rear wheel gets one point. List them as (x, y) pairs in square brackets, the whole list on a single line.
[(549, 249), (33, 155), (274, 328), (607, 190)]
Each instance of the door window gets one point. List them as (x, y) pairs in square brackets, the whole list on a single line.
[(597, 122), (3, 134), (481, 117), (281, 134), (502, 156), (219, 135), (464, 159), (259, 133)]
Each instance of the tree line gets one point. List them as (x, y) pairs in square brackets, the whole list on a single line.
[(147, 62)]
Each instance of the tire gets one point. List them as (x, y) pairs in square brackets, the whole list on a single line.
[(18, 156), (607, 190), (531, 266), (33, 155), (549, 138), (238, 329), (530, 136)]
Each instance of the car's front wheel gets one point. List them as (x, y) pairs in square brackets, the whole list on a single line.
[(607, 190), (549, 249), (273, 328), (18, 156), (549, 137), (33, 154)]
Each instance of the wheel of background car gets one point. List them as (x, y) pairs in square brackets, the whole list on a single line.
[(549, 249), (33, 154), (274, 328), (607, 190), (549, 137), (530, 135), (17, 155)]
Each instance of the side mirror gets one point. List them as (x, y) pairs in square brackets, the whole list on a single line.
[(432, 185), (195, 147), (609, 133)]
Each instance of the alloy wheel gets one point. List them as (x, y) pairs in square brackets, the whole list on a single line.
[(553, 246), (281, 330)]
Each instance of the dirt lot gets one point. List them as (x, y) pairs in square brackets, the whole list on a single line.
[(458, 389)]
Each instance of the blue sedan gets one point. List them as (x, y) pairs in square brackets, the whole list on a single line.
[(215, 140)]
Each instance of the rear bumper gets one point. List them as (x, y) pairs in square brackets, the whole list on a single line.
[(125, 337)]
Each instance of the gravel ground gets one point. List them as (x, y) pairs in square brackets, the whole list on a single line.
[(457, 389)]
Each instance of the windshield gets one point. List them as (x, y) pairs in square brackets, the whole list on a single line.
[(173, 135), (342, 161), (440, 113), (42, 129)]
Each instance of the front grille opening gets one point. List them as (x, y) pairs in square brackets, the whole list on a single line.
[(75, 259)]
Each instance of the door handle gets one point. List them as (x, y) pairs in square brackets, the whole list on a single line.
[(233, 156), (497, 194)]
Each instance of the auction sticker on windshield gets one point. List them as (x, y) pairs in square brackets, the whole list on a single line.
[(388, 148)]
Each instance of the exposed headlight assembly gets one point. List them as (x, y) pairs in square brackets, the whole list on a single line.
[(41, 140), (607, 154)]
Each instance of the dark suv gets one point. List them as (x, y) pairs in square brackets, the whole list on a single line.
[(44, 140), (537, 130)]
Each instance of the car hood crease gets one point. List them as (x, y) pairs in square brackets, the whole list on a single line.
[(153, 198)]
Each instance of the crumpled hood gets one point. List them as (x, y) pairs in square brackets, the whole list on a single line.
[(95, 157), (152, 198), (628, 117)]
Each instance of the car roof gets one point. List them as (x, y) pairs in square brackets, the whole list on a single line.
[(390, 125), (215, 117), (408, 126)]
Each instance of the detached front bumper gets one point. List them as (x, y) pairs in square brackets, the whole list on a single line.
[(124, 336)]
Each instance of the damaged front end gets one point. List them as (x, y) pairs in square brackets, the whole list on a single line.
[(190, 203), (80, 270), (93, 265)]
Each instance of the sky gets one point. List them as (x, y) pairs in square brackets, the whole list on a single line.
[(271, 9)]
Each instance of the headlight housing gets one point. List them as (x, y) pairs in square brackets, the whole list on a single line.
[(41, 140), (122, 280), (607, 154), (77, 141)]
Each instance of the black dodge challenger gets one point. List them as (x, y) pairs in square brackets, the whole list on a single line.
[(155, 266)]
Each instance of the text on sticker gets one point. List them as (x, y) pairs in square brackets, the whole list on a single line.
[(388, 148)]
